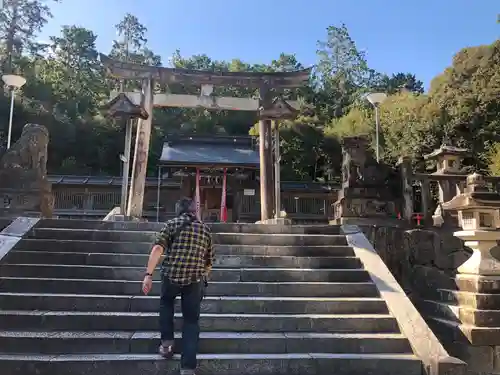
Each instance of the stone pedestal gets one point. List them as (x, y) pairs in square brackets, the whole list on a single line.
[(276, 221), (482, 262), (24, 188)]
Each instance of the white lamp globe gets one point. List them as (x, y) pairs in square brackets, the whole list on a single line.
[(376, 98), (13, 80)]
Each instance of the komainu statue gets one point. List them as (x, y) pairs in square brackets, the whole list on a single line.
[(24, 187), (370, 189)]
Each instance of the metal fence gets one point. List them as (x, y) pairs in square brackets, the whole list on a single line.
[(293, 205), (88, 201)]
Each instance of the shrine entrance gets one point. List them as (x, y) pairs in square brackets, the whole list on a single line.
[(210, 199), (213, 157), (270, 106)]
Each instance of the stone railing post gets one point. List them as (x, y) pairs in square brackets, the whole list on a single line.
[(404, 164), (425, 192)]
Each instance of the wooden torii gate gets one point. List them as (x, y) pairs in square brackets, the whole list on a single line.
[(268, 106)]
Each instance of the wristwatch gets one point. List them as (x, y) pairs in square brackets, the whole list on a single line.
[(149, 274)]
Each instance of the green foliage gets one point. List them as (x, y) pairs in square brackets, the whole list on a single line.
[(469, 92), (20, 20), (66, 87), (494, 159)]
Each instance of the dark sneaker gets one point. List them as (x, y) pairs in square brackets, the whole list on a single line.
[(166, 352)]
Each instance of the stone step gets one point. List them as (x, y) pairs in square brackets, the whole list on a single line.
[(221, 274), (464, 315), (261, 289), (279, 239), (480, 301), (222, 261), (218, 238), (110, 321), (224, 364), (122, 342), (215, 227), (225, 305), (145, 247), (439, 309)]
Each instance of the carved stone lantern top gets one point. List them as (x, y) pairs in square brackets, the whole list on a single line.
[(478, 208), (448, 158)]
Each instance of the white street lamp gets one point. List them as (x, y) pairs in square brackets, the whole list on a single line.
[(376, 99), (14, 82)]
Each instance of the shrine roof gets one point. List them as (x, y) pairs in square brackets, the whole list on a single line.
[(214, 151), (102, 180), (447, 150)]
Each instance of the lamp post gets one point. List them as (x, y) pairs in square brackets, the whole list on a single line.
[(14, 82), (376, 99)]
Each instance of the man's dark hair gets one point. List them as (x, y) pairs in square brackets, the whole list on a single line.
[(184, 205)]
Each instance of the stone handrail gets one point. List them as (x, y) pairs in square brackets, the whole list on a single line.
[(111, 215), (14, 232)]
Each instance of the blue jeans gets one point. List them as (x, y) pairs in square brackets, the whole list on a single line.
[(191, 296)]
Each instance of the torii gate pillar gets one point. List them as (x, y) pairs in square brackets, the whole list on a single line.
[(141, 153), (270, 111), (266, 170)]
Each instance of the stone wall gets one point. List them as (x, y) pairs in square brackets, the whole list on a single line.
[(422, 260), (425, 261)]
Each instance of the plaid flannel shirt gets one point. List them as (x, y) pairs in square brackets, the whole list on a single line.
[(190, 257)]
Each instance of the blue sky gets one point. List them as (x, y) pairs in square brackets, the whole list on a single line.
[(398, 35)]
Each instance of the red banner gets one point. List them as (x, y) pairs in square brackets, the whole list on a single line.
[(197, 198), (223, 205)]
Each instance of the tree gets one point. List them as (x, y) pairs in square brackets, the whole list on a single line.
[(20, 20), (342, 74), (76, 72), (132, 45), (468, 91), (322, 160), (340, 58), (401, 82), (410, 125)]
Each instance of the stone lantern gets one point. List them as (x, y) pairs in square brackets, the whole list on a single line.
[(478, 216), (448, 159), (448, 162)]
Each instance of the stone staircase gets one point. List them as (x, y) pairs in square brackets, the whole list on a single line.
[(282, 300)]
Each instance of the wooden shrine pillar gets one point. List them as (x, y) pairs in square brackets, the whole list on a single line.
[(236, 193), (187, 186)]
